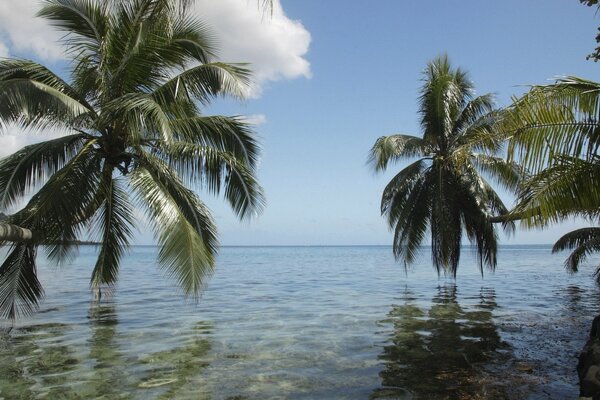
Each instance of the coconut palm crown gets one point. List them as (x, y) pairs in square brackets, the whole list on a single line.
[(133, 136), (444, 192)]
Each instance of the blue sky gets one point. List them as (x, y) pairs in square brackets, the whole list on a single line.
[(366, 60), (334, 75)]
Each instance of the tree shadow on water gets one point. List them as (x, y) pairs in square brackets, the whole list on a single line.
[(446, 352)]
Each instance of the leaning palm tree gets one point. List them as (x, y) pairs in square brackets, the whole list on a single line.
[(444, 191), (554, 131), (134, 136)]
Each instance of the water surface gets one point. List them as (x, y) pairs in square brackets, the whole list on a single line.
[(306, 323)]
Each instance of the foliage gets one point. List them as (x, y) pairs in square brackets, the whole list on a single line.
[(134, 135), (445, 190), (554, 130), (583, 242), (596, 54)]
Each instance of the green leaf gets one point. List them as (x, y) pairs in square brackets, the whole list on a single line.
[(115, 219), (20, 289), (185, 231), (31, 165), (215, 169), (583, 242), (65, 203), (395, 148)]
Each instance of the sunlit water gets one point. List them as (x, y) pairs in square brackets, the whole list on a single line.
[(306, 323)]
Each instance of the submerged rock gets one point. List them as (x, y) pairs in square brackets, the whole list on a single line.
[(588, 367)]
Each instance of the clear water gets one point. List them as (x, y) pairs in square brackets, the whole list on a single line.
[(306, 323)]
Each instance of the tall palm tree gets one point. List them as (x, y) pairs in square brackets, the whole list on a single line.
[(554, 131), (443, 191), (134, 135)]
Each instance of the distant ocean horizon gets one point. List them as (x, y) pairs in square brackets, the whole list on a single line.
[(500, 245)]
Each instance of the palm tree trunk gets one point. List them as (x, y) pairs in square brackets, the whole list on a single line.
[(13, 233), (511, 217)]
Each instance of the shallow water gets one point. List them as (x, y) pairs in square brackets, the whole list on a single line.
[(306, 323)]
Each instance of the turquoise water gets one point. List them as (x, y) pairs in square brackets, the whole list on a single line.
[(306, 323)]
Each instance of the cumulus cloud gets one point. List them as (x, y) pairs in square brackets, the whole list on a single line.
[(22, 32), (275, 45), (13, 138)]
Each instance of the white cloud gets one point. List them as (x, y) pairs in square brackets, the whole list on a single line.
[(23, 32), (256, 119), (13, 138), (274, 45), (4, 50)]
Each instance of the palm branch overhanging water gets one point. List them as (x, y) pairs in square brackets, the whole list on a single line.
[(554, 131), (134, 134), (444, 191)]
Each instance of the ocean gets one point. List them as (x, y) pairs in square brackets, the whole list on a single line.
[(306, 323)]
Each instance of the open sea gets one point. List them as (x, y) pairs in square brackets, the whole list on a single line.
[(306, 323)]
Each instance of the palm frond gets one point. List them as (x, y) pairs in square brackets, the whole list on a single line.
[(35, 105), (32, 164), (446, 228), (559, 191), (405, 204), (398, 189), (194, 39), (115, 220), (145, 50), (481, 136), (19, 69), (480, 231), (216, 169), (141, 107), (85, 23), (554, 120), (473, 114), (397, 147), (488, 201), (443, 96), (20, 289), (412, 221), (508, 174), (583, 242), (62, 207), (228, 134), (184, 228), (204, 82)]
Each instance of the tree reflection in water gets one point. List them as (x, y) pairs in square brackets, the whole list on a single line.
[(34, 356), (176, 372), (443, 352), (36, 362), (110, 371)]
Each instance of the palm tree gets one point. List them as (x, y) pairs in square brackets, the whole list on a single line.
[(554, 131), (134, 135), (443, 191)]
